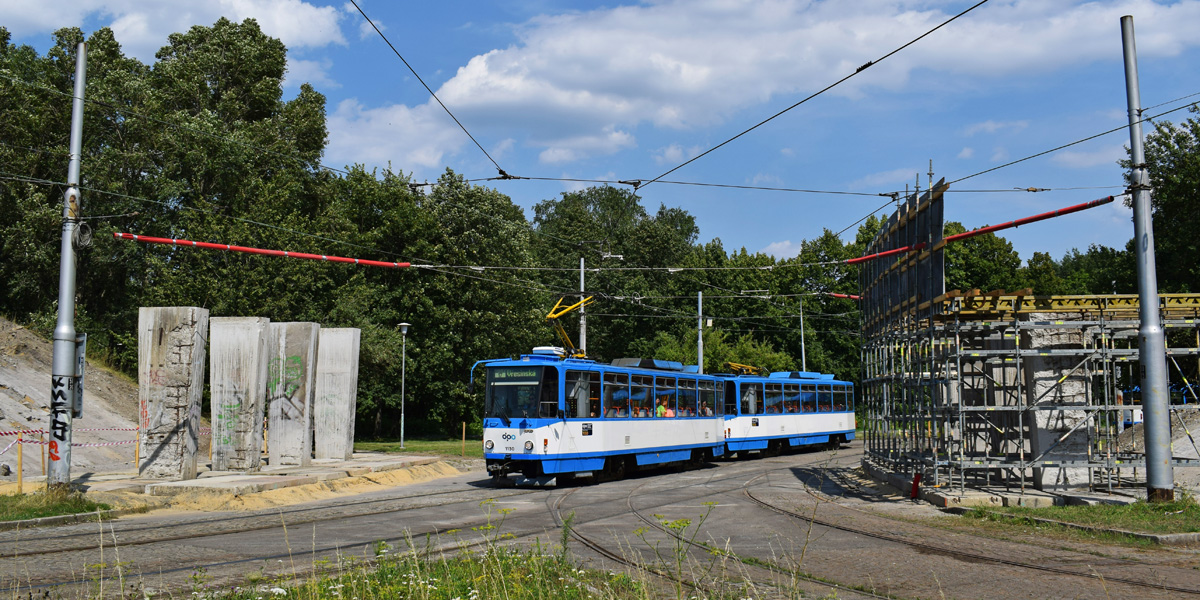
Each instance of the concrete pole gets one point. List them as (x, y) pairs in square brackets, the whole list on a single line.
[(62, 375), (403, 374), (582, 317), (1160, 476), (700, 330)]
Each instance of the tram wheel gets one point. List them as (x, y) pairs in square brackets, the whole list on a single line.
[(614, 468)]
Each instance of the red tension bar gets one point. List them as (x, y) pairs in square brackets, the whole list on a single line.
[(989, 229), (342, 259)]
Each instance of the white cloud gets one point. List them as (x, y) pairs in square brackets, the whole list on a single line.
[(409, 138), (999, 154), (142, 26), (784, 249), (1108, 155), (681, 64), (315, 72), (766, 179), (607, 141), (895, 176), (788, 152), (504, 147), (990, 126), (966, 152)]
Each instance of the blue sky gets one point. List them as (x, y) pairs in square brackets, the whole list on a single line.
[(627, 91)]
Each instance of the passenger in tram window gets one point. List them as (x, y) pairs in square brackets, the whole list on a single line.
[(661, 410), (670, 412), (705, 411)]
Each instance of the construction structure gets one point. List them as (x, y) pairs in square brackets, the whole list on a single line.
[(1004, 389)]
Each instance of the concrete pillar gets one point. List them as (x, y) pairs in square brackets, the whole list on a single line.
[(1050, 381), (238, 382), (170, 388), (336, 393), (291, 372)]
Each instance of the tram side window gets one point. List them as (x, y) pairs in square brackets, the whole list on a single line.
[(824, 397), (616, 395), (752, 395), (664, 397), (791, 397), (718, 407), (687, 397), (774, 398), (808, 398), (640, 395), (583, 394), (840, 398)]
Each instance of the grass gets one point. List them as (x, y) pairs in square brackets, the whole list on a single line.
[(1181, 516), (438, 447), (17, 507)]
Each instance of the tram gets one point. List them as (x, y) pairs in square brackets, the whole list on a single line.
[(551, 417)]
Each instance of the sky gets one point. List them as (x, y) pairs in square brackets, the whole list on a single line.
[(625, 91)]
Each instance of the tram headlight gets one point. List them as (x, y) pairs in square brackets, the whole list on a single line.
[(529, 445), (489, 445)]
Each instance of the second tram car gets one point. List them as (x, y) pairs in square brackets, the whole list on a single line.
[(787, 409)]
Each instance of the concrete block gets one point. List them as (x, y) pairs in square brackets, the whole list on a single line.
[(238, 382), (335, 400), (171, 353), (291, 373), (1053, 380)]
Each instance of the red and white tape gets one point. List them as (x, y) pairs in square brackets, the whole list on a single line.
[(74, 445), (110, 429), (14, 443), (22, 432)]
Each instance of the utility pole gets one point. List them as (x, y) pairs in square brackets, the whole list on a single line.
[(700, 330), (1160, 476), (582, 317), (63, 372)]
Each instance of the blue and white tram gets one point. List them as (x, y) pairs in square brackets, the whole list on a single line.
[(787, 409), (548, 417)]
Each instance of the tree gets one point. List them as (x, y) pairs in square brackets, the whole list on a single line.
[(1173, 162), (987, 262)]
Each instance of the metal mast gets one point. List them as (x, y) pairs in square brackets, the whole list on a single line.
[(63, 372), (1160, 476)]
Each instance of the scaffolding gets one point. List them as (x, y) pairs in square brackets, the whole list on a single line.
[(1015, 390)]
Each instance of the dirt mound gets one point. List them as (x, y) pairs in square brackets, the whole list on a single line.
[(109, 403)]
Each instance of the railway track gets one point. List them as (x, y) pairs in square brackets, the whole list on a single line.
[(959, 552)]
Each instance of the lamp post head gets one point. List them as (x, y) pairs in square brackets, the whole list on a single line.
[(404, 329)]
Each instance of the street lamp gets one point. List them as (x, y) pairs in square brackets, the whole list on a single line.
[(403, 372)]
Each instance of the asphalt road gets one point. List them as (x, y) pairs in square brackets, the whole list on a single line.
[(740, 507)]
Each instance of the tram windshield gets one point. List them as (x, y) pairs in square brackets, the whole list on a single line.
[(521, 392)]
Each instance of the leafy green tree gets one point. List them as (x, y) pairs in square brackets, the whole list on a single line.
[(1041, 274), (1173, 162), (987, 262)]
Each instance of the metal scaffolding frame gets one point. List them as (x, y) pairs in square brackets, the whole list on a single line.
[(1015, 390)]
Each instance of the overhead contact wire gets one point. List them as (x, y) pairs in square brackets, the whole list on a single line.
[(860, 69), (430, 90)]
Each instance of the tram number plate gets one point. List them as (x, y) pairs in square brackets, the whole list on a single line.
[(754, 422), (587, 429)]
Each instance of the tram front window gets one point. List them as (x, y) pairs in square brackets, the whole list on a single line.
[(512, 392)]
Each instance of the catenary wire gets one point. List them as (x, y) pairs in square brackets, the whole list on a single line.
[(428, 89), (1068, 145), (860, 69)]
